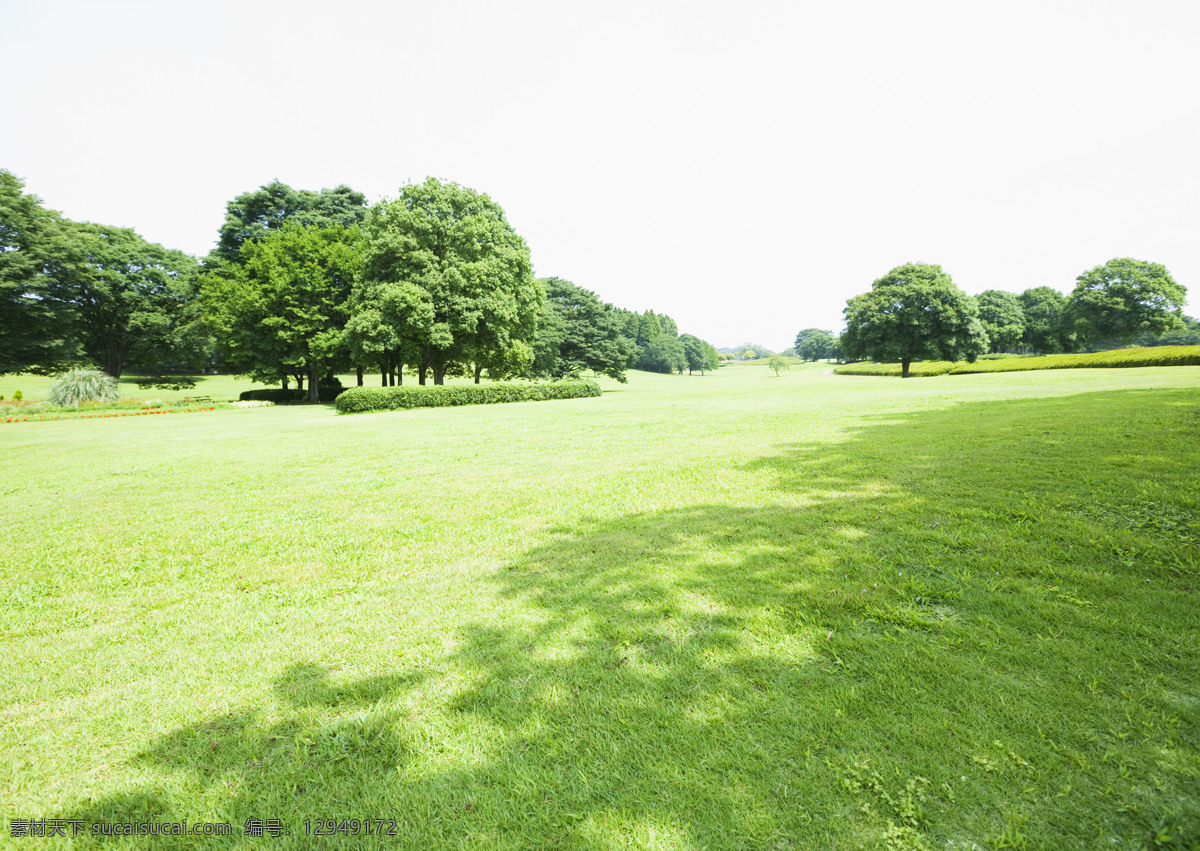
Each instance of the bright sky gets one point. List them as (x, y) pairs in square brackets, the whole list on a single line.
[(744, 167)]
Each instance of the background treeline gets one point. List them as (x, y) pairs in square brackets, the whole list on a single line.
[(302, 285), (916, 311)]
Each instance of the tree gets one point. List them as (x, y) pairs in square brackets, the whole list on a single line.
[(37, 318), (664, 354), (1002, 318), (914, 311), (753, 351), (130, 297), (581, 332), (816, 345), (1044, 309), (471, 269), (649, 329), (283, 309), (1124, 298), (252, 215), (778, 364), (700, 354)]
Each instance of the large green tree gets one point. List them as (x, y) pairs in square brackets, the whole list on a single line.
[(816, 344), (914, 311), (282, 310), (473, 271), (664, 354), (131, 299), (1002, 318), (1125, 298), (37, 317), (580, 332), (1044, 309)]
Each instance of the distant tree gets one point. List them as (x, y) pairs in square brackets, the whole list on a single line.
[(1044, 310), (700, 354), (284, 308), (664, 354), (252, 215), (753, 351), (581, 332), (804, 335), (667, 324), (1124, 298), (649, 329), (457, 248), (914, 311), (777, 364), (1002, 318), (817, 345)]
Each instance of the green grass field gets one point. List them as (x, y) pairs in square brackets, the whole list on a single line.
[(724, 611)]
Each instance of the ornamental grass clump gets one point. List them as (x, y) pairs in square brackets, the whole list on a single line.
[(83, 385)]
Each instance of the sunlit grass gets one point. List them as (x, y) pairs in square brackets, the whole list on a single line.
[(731, 610)]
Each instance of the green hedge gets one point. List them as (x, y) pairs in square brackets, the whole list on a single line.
[(359, 400), (281, 397), (1144, 356)]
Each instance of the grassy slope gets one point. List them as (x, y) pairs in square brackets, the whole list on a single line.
[(720, 611)]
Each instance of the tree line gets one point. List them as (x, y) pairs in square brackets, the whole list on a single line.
[(305, 284), (916, 311)]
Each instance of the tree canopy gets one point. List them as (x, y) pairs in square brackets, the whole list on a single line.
[(282, 309), (252, 215), (1002, 318), (468, 271), (1125, 298), (579, 332), (914, 311)]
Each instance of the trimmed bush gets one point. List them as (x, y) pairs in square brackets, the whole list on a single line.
[(358, 400), (1117, 358), (17, 395), (83, 385), (327, 392)]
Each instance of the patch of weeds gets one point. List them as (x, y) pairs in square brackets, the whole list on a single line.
[(903, 809)]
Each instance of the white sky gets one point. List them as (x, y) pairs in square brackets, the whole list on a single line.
[(744, 167)]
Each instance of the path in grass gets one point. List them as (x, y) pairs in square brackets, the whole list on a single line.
[(740, 611)]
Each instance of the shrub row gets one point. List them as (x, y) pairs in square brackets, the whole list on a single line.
[(359, 400), (1145, 356), (281, 397)]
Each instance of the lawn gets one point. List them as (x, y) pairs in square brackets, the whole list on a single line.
[(737, 610)]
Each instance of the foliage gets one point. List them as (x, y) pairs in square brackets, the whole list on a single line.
[(464, 271), (283, 308), (577, 332), (1124, 298), (17, 395), (914, 311), (327, 391), (1044, 310), (36, 315), (1002, 318), (251, 216), (1116, 358), (83, 385), (359, 400), (814, 345), (665, 353), (163, 382), (778, 364), (700, 354)]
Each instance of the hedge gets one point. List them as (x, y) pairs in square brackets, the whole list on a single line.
[(1116, 358), (359, 400), (280, 396)]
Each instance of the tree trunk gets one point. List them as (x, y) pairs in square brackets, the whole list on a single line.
[(439, 374), (314, 391), (358, 372), (904, 362), (478, 372), (283, 382)]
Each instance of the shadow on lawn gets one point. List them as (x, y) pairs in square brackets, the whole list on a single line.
[(735, 676)]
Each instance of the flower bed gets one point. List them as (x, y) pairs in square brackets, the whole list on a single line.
[(101, 414)]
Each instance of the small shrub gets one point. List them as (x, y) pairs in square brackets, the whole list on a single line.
[(359, 400), (17, 395), (83, 385)]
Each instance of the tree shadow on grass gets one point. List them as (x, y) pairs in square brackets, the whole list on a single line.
[(928, 636)]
